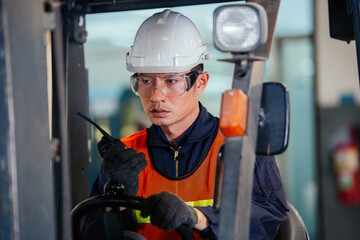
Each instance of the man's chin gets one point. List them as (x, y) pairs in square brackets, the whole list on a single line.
[(159, 121)]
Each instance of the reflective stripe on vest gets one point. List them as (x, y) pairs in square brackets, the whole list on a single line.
[(200, 203)]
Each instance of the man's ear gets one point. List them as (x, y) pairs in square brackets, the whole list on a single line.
[(201, 82)]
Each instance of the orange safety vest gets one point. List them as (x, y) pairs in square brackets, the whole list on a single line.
[(197, 189)]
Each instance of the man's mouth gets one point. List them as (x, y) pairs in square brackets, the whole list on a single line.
[(159, 112)]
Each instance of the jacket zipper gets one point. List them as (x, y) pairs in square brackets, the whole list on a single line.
[(176, 153)]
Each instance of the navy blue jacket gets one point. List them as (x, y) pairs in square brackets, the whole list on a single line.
[(269, 203)]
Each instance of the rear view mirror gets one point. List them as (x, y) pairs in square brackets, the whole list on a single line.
[(274, 117)]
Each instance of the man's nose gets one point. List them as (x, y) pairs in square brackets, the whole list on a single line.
[(157, 95)]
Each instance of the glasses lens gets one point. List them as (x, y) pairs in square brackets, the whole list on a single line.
[(174, 85), (134, 84), (171, 85)]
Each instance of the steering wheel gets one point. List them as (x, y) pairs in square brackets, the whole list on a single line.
[(114, 197)]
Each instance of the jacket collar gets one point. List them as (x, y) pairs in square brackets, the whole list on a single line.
[(202, 127)]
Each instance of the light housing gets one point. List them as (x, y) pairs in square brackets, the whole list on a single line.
[(240, 28)]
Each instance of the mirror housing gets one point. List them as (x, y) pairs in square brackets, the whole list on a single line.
[(274, 119)]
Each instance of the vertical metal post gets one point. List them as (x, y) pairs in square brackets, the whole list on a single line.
[(27, 140), (239, 157), (70, 95), (239, 152), (78, 100), (356, 20), (59, 130), (8, 188)]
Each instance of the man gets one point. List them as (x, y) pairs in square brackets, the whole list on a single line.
[(173, 162)]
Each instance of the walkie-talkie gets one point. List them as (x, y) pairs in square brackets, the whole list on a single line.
[(110, 138)]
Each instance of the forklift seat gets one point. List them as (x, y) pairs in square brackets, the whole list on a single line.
[(293, 228)]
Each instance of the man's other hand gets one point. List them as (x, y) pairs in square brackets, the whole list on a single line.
[(167, 211)]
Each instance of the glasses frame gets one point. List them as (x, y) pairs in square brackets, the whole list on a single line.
[(193, 75)]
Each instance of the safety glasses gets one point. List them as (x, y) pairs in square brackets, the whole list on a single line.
[(170, 85)]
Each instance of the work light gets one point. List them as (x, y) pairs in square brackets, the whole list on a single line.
[(240, 28)]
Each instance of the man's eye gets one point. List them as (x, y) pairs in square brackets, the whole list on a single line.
[(171, 81), (145, 81)]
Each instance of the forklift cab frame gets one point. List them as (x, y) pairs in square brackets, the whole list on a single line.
[(248, 77)]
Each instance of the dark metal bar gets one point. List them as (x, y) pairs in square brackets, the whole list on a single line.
[(124, 2), (356, 20), (59, 130), (78, 130), (6, 178), (86, 7)]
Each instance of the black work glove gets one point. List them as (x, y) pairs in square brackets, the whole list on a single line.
[(123, 165), (167, 211)]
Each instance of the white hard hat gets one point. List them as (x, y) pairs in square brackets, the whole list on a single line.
[(166, 42)]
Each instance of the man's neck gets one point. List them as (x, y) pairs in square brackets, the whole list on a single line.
[(175, 132)]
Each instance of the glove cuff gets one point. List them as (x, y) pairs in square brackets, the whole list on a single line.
[(193, 221), (197, 215)]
